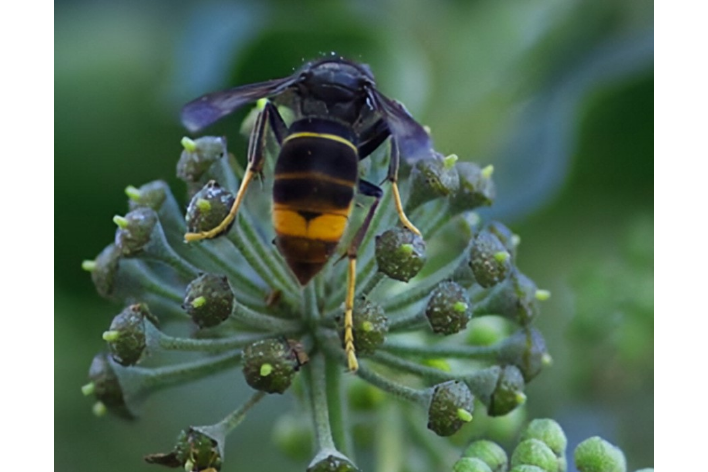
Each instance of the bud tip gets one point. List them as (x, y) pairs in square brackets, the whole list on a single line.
[(464, 415), (266, 369), (488, 171), (546, 359), (449, 161), (88, 389), (99, 409), (120, 221), (133, 193), (111, 336), (88, 265), (188, 144), (199, 302), (203, 204), (502, 256), (542, 295)]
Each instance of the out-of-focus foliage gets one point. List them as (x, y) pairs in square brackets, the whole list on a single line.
[(557, 95)]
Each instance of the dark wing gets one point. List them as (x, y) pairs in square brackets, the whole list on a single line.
[(413, 141), (205, 110)]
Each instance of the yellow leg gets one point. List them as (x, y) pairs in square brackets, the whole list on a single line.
[(191, 237), (352, 363), (399, 208)]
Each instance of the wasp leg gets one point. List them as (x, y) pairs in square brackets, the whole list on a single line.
[(256, 154), (371, 190), (392, 177), (372, 137)]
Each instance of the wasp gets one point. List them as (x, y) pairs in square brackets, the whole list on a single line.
[(340, 119)]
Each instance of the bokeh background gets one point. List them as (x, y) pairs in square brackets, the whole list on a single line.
[(557, 94)]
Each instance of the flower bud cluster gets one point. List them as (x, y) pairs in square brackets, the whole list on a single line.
[(241, 307)]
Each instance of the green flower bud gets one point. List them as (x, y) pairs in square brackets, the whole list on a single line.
[(505, 235), (448, 309), (549, 432), (490, 453), (515, 299), (270, 365), (126, 337), (535, 452), (151, 195), (136, 232), (208, 208), (106, 387), (487, 330), (490, 260), (451, 406), (432, 178), (195, 451), (209, 300), (597, 455), (476, 188), (526, 349), (103, 272), (509, 392), (331, 461), (198, 156), (364, 396), (469, 464), (400, 254), (293, 435), (526, 468), (370, 326)]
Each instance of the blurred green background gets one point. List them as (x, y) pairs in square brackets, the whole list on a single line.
[(557, 94)]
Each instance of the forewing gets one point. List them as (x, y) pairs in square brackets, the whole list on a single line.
[(413, 141), (205, 110)]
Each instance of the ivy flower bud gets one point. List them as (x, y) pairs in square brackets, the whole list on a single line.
[(106, 388), (104, 268), (432, 178), (490, 260), (448, 309), (597, 455), (509, 392), (526, 349), (488, 452), (535, 452), (550, 433), (515, 299), (451, 406), (151, 195), (370, 326), (400, 254), (476, 187), (505, 235), (209, 300), (126, 337), (332, 462), (270, 365), (470, 464), (198, 156), (208, 208), (292, 435), (195, 451), (135, 230)]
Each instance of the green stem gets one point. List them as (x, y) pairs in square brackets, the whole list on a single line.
[(317, 395), (149, 282), (441, 350), (427, 373), (409, 322), (258, 320), (371, 284), (420, 397), (338, 408), (171, 343)]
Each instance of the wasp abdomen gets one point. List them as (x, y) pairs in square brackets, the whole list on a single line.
[(315, 178)]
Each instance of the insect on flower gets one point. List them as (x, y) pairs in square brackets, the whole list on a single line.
[(340, 119)]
